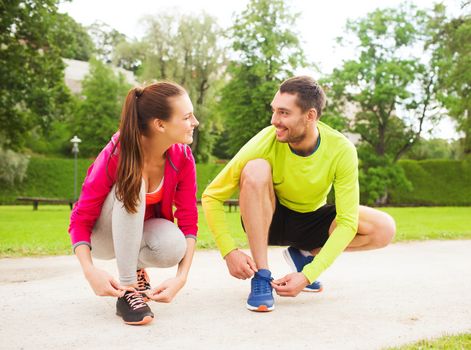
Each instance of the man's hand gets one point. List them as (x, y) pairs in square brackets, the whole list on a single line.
[(103, 284), (240, 265), (166, 291), (290, 285)]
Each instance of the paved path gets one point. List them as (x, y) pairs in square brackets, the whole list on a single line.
[(371, 300)]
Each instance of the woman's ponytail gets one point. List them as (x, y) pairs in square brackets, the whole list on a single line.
[(129, 176)]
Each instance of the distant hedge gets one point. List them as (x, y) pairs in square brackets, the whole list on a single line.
[(435, 182), (47, 177), (54, 177)]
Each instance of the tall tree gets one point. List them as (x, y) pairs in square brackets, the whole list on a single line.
[(389, 86), (32, 86), (266, 51), (71, 38), (390, 90), (106, 39), (452, 57), (185, 49), (99, 108)]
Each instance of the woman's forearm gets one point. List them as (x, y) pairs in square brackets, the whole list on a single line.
[(185, 264), (84, 256)]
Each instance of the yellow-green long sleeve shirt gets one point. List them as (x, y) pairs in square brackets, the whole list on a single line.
[(300, 184)]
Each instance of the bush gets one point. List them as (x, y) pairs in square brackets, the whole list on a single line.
[(434, 182), (13, 166), (47, 177), (54, 178)]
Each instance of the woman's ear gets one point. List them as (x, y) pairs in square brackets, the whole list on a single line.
[(158, 125)]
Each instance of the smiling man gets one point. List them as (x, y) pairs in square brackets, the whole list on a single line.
[(284, 174)]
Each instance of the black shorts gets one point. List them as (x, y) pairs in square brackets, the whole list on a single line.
[(304, 231)]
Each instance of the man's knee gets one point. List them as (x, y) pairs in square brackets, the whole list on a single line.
[(256, 174), (385, 230)]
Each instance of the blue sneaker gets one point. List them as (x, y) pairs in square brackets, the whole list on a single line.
[(296, 260), (261, 296)]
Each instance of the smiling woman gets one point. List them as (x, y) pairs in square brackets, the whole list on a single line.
[(125, 210)]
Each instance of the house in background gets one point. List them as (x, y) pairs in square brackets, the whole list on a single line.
[(75, 72)]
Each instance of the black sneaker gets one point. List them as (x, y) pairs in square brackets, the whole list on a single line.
[(132, 308), (143, 283)]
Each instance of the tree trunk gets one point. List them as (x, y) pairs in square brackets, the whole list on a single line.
[(194, 144), (467, 135), (201, 93), (380, 145)]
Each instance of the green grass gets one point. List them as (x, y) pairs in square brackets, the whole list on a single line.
[(422, 223), (25, 232), (450, 342)]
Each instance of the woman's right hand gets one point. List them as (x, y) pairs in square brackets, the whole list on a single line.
[(103, 284)]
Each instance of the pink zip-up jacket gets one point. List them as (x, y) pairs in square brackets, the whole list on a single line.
[(179, 190)]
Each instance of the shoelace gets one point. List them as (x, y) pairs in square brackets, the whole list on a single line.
[(261, 284), (134, 300), (142, 280)]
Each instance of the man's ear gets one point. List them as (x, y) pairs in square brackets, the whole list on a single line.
[(312, 114)]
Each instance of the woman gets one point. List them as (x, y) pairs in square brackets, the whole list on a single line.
[(125, 207)]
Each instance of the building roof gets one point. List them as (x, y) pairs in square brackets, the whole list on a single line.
[(75, 72)]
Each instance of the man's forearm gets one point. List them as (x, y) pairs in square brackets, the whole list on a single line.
[(216, 218)]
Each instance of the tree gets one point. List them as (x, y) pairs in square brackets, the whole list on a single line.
[(130, 55), (452, 58), (99, 109), (266, 51), (13, 167), (184, 49), (71, 38), (106, 39), (390, 87), (432, 149), (32, 87)]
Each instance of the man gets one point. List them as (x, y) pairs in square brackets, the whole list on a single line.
[(284, 174)]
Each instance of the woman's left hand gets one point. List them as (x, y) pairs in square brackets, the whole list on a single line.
[(166, 291)]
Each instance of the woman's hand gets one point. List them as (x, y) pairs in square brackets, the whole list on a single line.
[(166, 291), (103, 284)]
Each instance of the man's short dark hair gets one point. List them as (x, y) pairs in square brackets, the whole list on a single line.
[(308, 91)]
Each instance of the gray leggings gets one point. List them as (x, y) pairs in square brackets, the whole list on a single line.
[(135, 243)]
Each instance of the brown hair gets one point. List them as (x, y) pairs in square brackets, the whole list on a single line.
[(140, 107), (308, 91)]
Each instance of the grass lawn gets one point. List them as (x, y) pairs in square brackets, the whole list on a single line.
[(44, 232), (451, 342)]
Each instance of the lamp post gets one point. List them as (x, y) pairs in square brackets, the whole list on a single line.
[(75, 150)]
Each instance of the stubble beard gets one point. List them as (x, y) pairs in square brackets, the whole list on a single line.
[(294, 139)]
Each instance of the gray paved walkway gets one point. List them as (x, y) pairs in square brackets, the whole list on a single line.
[(371, 300)]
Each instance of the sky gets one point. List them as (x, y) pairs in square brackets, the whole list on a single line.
[(318, 23)]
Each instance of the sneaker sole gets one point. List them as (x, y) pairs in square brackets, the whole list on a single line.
[(260, 308), (145, 320), (293, 268)]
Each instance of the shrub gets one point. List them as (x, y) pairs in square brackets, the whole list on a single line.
[(13, 166)]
